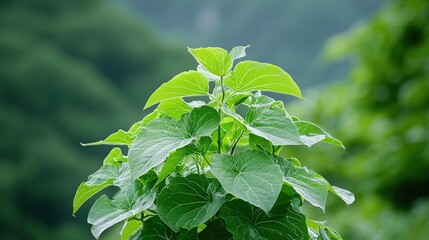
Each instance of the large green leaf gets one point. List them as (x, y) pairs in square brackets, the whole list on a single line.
[(215, 60), (310, 185), (255, 76), (163, 135), (273, 124), (189, 201), (185, 84), (312, 134), (250, 175), (128, 202), (248, 222), (268, 120), (118, 138), (85, 192), (307, 183), (155, 229)]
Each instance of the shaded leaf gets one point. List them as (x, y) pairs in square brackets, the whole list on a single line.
[(215, 230), (248, 222), (189, 201), (127, 202), (155, 229)]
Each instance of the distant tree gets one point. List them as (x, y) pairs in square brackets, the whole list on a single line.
[(382, 112), (69, 71)]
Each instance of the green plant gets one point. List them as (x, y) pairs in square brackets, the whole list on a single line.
[(212, 170)]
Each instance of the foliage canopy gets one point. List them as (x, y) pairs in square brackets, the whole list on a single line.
[(198, 169)]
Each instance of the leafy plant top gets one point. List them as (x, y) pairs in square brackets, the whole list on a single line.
[(211, 168)]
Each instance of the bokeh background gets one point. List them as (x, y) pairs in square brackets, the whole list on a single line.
[(75, 71)]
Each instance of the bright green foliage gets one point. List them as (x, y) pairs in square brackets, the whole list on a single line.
[(253, 76), (381, 112), (200, 170), (185, 84)]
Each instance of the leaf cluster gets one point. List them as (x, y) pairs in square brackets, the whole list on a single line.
[(211, 169)]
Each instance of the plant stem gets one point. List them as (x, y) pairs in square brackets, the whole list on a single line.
[(236, 142), (219, 142), (223, 89)]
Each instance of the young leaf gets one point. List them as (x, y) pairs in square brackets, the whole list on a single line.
[(163, 135), (85, 192), (126, 203), (255, 76), (189, 201), (171, 163), (307, 183), (185, 84), (131, 227), (216, 60), (118, 138), (174, 108), (312, 134), (114, 157), (238, 52), (247, 222), (155, 229), (250, 175)]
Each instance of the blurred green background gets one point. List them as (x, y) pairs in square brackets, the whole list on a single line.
[(75, 71)]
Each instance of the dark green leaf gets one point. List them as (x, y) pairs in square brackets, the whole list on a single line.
[(155, 229), (250, 175), (255, 76), (215, 230), (248, 222), (216, 60), (127, 202), (185, 84), (189, 201), (163, 135)]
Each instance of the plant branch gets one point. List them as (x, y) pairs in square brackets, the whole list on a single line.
[(236, 142)]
